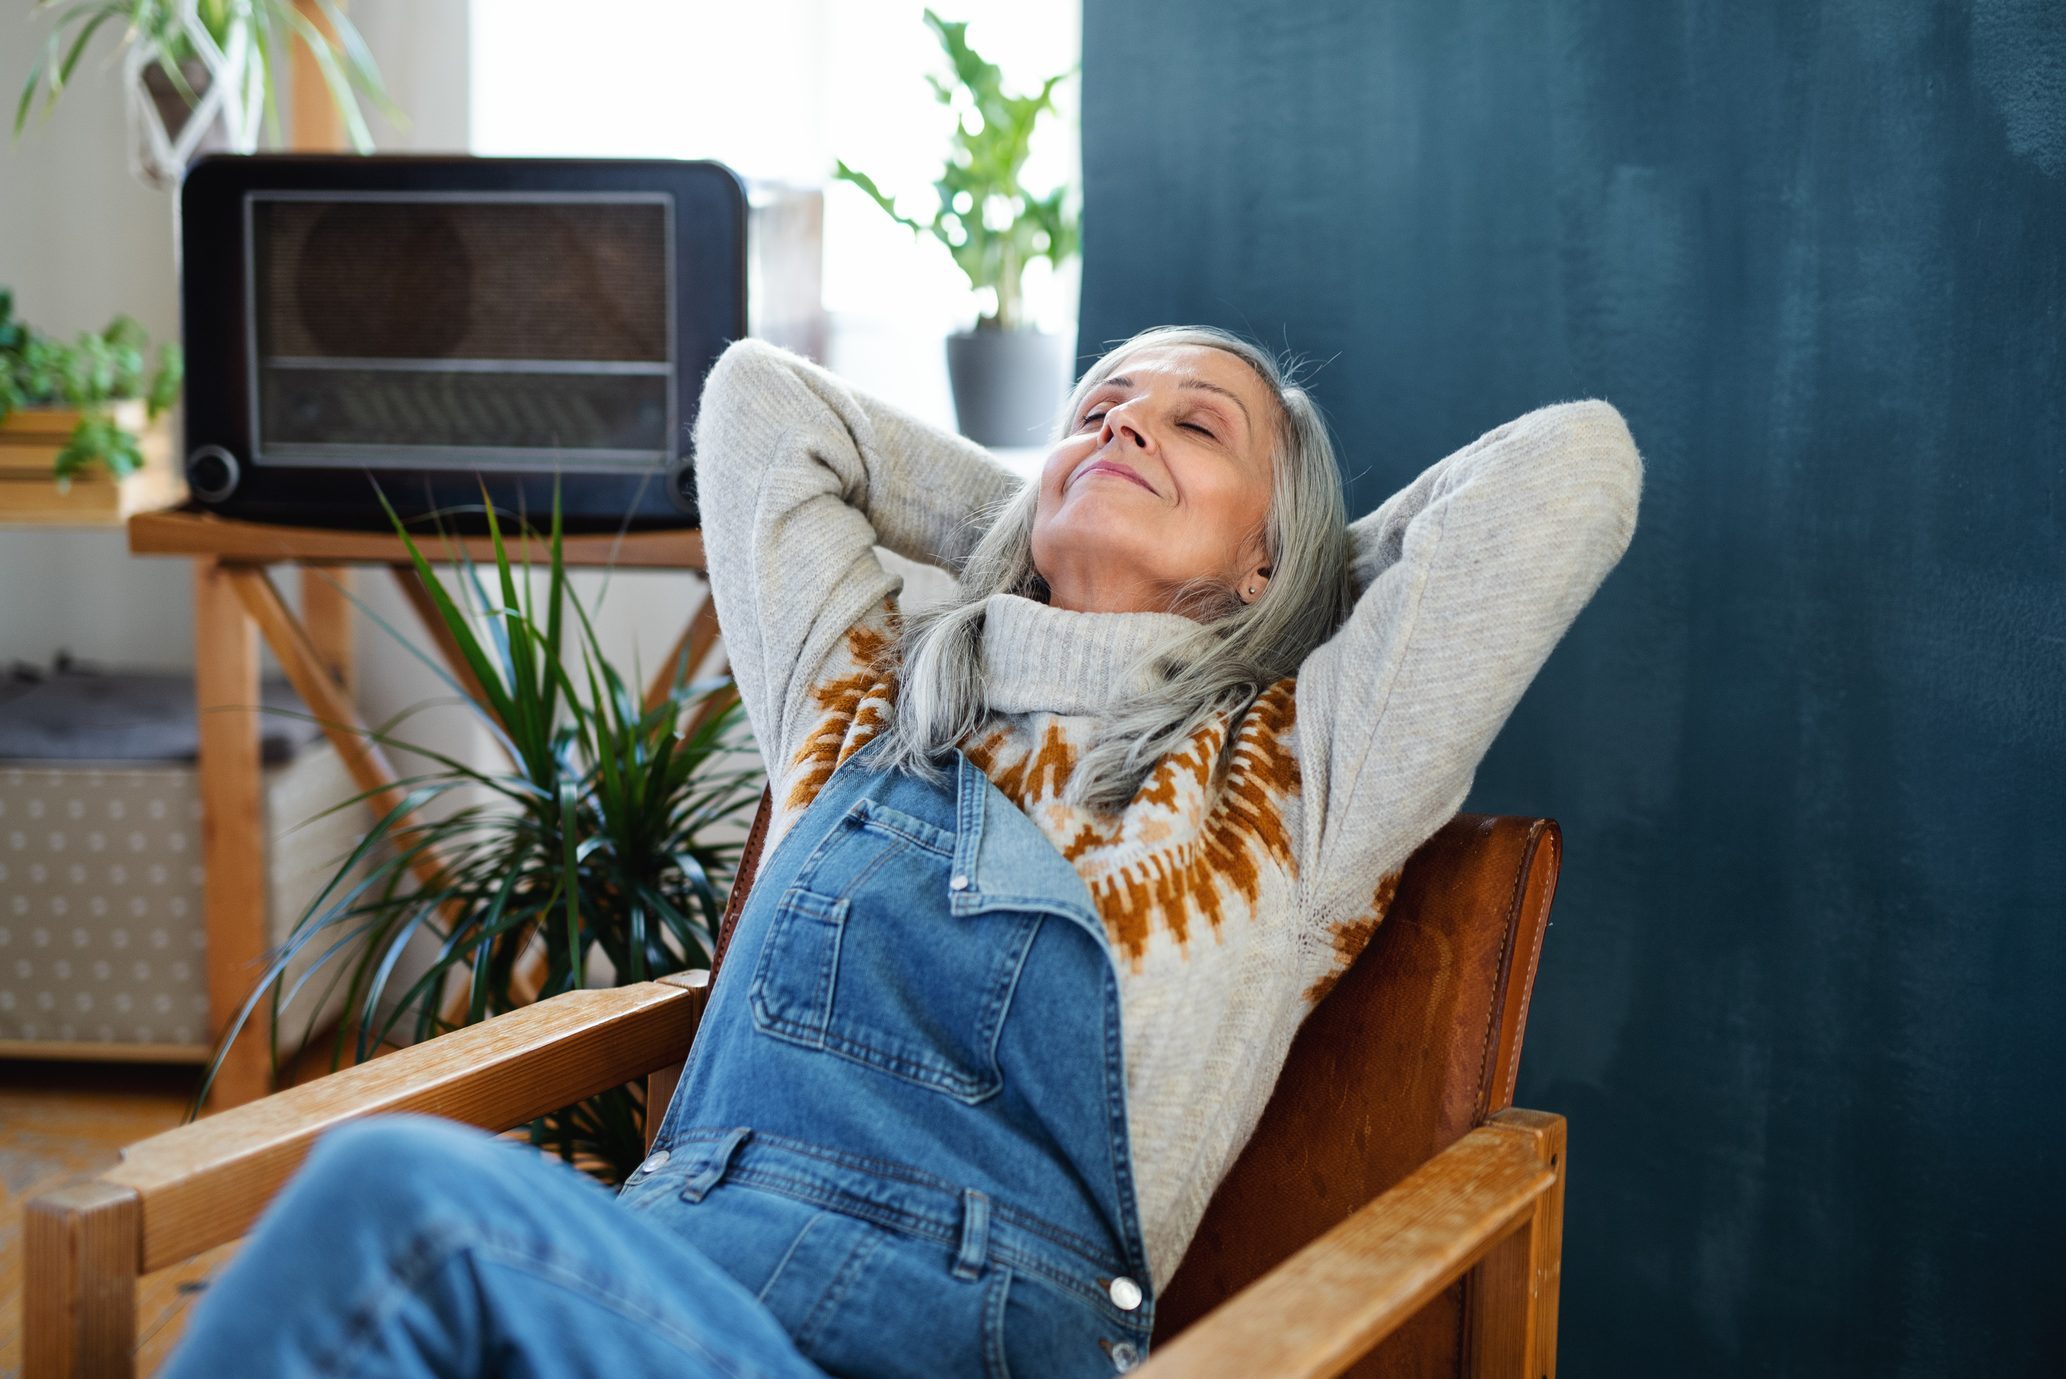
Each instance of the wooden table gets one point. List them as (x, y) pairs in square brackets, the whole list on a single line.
[(236, 602)]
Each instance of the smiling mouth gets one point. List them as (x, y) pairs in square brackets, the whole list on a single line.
[(1108, 467)]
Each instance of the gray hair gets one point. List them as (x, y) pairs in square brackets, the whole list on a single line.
[(1237, 649)]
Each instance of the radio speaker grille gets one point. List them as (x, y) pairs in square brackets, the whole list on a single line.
[(529, 332)]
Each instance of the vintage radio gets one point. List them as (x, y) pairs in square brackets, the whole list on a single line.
[(439, 325)]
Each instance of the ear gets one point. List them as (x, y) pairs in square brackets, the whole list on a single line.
[(1253, 583)]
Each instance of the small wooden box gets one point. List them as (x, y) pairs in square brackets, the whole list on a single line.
[(30, 440)]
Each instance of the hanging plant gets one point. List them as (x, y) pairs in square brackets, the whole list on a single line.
[(198, 73)]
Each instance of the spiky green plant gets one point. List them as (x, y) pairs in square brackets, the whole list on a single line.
[(598, 839)]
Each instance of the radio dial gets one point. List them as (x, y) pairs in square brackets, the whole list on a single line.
[(681, 485), (212, 473)]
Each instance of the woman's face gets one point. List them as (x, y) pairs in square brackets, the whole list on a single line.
[(1163, 478)]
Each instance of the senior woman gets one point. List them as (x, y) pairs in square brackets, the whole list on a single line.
[(1055, 871)]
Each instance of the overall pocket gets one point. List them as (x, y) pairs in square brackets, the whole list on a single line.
[(863, 958)]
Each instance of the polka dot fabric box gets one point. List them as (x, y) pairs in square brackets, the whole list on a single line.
[(103, 948), (102, 938)]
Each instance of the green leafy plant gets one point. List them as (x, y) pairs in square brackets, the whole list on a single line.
[(346, 62), (989, 222), (598, 839), (96, 370)]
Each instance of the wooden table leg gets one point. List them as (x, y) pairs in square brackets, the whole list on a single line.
[(232, 829), (413, 589), (687, 653), (326, 702), (326, 611)]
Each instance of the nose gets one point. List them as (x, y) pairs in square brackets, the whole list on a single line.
[(1119, 425)]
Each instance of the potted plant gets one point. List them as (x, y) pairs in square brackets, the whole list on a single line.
[(90, 409), (198, 72), (613, 831), (1007, 377)]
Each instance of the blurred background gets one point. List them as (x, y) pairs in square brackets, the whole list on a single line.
[(777, 92), (1801, 998)]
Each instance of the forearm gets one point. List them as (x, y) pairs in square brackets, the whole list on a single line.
[(799, 477), (1378, 537), (1468, 578), (923, 490)]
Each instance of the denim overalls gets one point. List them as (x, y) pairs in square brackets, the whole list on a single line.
[(903, 1120)]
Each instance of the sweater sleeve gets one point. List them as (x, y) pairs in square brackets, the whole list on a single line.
[(1467, 579), (799, 476)]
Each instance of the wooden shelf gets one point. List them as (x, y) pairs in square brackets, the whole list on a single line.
[(32, 437), (83, 1051), (190, 533)]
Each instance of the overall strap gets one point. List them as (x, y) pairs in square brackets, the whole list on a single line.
[(756, 841)]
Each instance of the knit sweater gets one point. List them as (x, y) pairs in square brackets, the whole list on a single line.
[(1241, 881)]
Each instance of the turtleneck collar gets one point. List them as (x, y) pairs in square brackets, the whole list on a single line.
[(1037, 658)]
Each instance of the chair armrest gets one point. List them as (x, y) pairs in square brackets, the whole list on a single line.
[(205, 1183), (1327, 1306)]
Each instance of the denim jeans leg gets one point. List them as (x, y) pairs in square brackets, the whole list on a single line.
[(412, 1247)]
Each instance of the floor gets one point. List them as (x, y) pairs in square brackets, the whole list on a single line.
[(62, 1122)]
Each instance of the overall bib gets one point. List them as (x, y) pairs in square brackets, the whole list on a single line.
[(902, 1124)]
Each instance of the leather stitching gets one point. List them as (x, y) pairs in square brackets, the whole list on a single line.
[(1498, 1005)]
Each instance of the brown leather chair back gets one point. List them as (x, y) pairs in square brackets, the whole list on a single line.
[(749, 867), (1417, 1044)]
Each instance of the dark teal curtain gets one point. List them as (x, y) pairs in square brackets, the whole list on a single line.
[(1804, 1000)]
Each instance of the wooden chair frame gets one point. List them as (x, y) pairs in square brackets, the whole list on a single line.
[(1489, 1207)]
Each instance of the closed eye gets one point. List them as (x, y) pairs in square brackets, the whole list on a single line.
[(1090, 418)]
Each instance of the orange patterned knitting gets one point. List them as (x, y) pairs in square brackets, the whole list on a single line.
[(1194, 843), (853, 705)]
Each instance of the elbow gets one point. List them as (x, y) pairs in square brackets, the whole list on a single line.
[(741, 379), (1603, 466), (1618, 465), (741, 397)]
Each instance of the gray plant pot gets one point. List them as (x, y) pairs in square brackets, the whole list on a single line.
[(1008, 384)]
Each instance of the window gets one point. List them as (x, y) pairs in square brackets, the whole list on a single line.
[(779, 90)]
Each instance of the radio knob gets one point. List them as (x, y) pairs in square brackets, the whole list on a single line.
[(212, 473), (681, 485)]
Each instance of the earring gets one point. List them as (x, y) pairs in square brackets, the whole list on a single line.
[(1251, 591)]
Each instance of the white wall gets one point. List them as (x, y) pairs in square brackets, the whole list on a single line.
[(80, 242)]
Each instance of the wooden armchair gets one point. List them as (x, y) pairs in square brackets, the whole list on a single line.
[(1390, 1216)]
